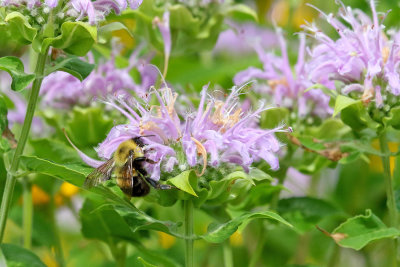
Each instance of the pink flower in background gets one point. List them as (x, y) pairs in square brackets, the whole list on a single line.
[(239, 38), (62, 90), (287, 87), (363, 57)]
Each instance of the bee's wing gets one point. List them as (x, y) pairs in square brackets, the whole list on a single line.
[(99, 175)]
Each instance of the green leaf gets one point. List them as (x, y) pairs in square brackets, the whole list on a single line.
[(217, 233), (55, 151), (76, 38), (242, 12), (73, 65), (356, 116), (145, 263), (182, 181), (360, 230), (393, 119), (19, 28), (104, 32), (15, 68), (305, 212), (100, 221), (3, 115), (72, 173), (343, 102), (88, 127), (3, 261), (17, 256), (138, 220)]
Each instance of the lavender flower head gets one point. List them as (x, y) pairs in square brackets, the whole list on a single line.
[(62, 90), (218, 133), (363, 57), (238, 39), (287, 88), (78, 10)]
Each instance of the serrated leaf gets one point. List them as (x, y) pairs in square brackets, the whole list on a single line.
[(72, 173), (15, 68), (360, 230), (305, 212), (76, 38), (72, 65), (342, 102), (20, 28), (182, 182), (18, 256), (217, 233)]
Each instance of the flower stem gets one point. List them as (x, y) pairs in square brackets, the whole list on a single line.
[(11, 179), (228, 257), (56, 233), (259, 248), (391, 203), (27, 214), (188, 210)]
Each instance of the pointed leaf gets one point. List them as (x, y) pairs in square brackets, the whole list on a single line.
[(18, 256), (182, 181), (360, 230), (217, 233), (15, 68), (341, 103), (72, 173), (73, 65)]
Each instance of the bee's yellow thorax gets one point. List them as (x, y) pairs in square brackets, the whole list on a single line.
[(125, 149)]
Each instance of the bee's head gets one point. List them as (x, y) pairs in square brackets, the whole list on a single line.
[(127, 149)]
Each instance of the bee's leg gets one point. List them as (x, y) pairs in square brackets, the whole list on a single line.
[(157, 185), (138, 159)]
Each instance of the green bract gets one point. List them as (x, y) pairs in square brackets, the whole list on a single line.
[(75, 38)]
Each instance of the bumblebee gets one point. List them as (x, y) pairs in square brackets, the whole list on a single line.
[(127, 165)]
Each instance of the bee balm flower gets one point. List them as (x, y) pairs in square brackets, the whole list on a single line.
[(364, 58), (218, 133), (285, 86)]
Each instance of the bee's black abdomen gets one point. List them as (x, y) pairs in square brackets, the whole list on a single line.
[(133, 186)]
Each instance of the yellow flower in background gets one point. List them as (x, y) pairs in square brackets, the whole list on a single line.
[(166, 240), (126, 39), (376, 162), (236, 239), (283, 14), (68, 190), (49, 260), (39, 196), (280, 12)]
